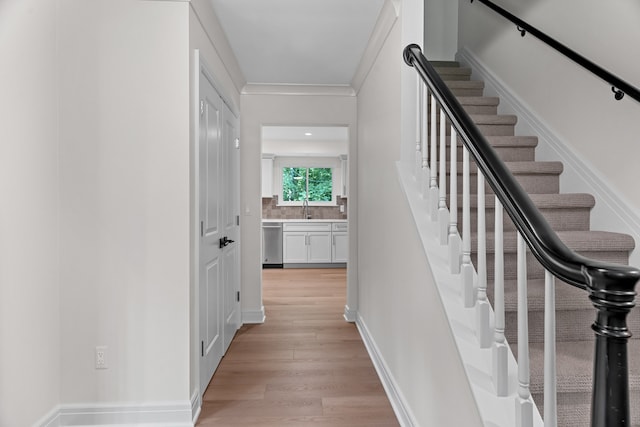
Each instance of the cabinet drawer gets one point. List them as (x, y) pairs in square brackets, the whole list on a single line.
[(340, 226), (306, 226)]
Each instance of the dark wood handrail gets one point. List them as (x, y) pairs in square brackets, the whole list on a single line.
[(618, 86), (611, 287)]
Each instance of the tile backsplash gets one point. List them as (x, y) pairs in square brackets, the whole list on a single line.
[(271, 210)]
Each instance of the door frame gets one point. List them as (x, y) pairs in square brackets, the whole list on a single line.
[(199, 66)]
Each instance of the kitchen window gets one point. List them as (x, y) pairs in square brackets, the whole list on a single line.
[(314, 183)]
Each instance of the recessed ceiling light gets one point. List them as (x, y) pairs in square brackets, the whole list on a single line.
[(308, 134)]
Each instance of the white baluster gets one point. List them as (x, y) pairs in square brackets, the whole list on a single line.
[(467, 268), (424, 176), (433, 181), (500, 348), (550, 401), (454, 236), (482, 308), (418, 160), (443, 215), (524, 404)]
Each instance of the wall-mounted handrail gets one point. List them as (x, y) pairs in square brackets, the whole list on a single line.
[(619, 86), (611, 287)]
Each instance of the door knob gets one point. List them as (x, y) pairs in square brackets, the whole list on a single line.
[(224, 241)]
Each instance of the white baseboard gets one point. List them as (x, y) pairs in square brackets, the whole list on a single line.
[(349, 314), (51, 419), (196, 405), (611, 212), (172, 414), (253, 316), (396, 398)]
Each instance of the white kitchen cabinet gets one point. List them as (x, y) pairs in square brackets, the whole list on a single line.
[(306, 243), (294, 247), (267, 175), (344, 166), (319, 246), (339, 242)]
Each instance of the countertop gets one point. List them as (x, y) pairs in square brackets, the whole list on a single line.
[(302, 220)]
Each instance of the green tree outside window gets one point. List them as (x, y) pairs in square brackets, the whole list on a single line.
[(298, 183)]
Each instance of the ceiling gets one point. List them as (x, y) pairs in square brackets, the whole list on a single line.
[(313, 42), (326, 141)]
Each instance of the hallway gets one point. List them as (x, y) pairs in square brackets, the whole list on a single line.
[(305, 366)]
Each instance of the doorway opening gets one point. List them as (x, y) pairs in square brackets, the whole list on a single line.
[(305, 191)]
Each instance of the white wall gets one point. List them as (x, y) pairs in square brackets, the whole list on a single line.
[(399, 303), (440, 30), (124, 174), (29, 191), (577, 106), (283, 109)]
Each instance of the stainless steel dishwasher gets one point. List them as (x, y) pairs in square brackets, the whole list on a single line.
[(272, 245)]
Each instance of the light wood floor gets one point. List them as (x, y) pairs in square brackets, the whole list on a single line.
[(305, 366)]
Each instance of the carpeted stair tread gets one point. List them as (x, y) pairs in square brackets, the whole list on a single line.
[(562, 211), (468, 84), (487, 119), (567, 297), (530, 167), (441, 64), (576, 359), (479, 104), (454, 73), (508, 147), (579, 241), (478, 100), (494, 119), (542, 201), (466, 87), (575, 312)]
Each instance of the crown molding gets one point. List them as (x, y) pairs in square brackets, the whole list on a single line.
[(297, 89), (386, 20)]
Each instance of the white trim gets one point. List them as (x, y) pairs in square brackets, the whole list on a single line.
[(611, 212), (196, 405), (253, 316), (51, 419), (166, 414), (350, 315), (211, 26), (297, 89), (396, 398), (494, 411), (384, 24)]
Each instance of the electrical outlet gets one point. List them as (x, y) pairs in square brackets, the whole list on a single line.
[(101, 357)]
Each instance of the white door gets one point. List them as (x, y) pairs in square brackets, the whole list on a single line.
[(211, 229), (231, 208)]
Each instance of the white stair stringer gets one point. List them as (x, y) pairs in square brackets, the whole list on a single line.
[(495, 411)]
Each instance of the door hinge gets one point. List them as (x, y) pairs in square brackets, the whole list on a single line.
[(237, 143), (201, 107), (201, 228), (238, 296), (237, 219), (202, 347)]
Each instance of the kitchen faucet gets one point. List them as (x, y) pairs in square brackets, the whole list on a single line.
[(305, 208)]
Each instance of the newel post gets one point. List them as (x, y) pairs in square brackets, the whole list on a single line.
[(613, 296)]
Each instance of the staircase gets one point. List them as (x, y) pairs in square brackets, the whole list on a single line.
[(569, 215)]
